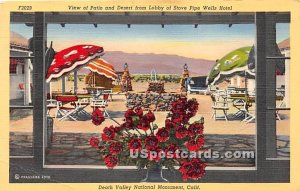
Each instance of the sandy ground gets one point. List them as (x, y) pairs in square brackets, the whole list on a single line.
[(117, 107)]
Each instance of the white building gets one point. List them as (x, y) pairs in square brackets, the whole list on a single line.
[(20, 70), (284, 80)]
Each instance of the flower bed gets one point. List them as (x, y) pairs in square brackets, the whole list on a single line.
[(157, 102), (158, 87)]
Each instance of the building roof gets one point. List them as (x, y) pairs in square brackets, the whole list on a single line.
[(285, 44), (18, 40)]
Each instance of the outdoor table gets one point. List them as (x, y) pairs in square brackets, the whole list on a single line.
[(81, 96), (97, 91), (96, 88), (237, 95)]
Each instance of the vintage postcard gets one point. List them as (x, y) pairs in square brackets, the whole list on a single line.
[(149, 95)]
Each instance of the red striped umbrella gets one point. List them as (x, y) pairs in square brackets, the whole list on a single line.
[(102, 67), (72, 59)]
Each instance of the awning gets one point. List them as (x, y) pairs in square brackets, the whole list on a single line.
[(102, 67)]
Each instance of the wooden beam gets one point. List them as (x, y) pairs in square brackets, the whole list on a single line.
[(83, 18), (136, 19)]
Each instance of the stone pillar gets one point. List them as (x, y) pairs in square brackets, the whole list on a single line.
[(184, 77), (126, 79)]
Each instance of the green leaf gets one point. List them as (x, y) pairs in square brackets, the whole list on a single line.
[(135, 120)]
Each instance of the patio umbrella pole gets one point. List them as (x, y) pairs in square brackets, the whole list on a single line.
[(50, 90), (94, 79), (246, 85), (75, 82), (63, 84)]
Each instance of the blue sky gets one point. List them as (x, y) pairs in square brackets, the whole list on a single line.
[(206, 41)]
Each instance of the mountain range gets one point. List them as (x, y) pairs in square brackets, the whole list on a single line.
[(161, 63)]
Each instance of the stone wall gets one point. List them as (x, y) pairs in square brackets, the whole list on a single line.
[(74, 148), (157, 102)]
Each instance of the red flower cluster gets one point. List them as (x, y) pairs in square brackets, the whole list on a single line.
[(108, 133), (169, 124), (97, 117), (163, 134), (178, 133), (183, 109), (111, 161), (181, 132), (94, 142), (135, 118), (151, 142), (193, 169), (135, 144), (171, 149), (143, 124), (115, 148), (195, 129), (195, 144)]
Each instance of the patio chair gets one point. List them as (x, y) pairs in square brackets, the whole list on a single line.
[(70, 112), (102, 104), (212, 89), (109, 96), (82, 102), (240, 105), (219, 105), (51, 104), (249, 114), (106, 96)]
